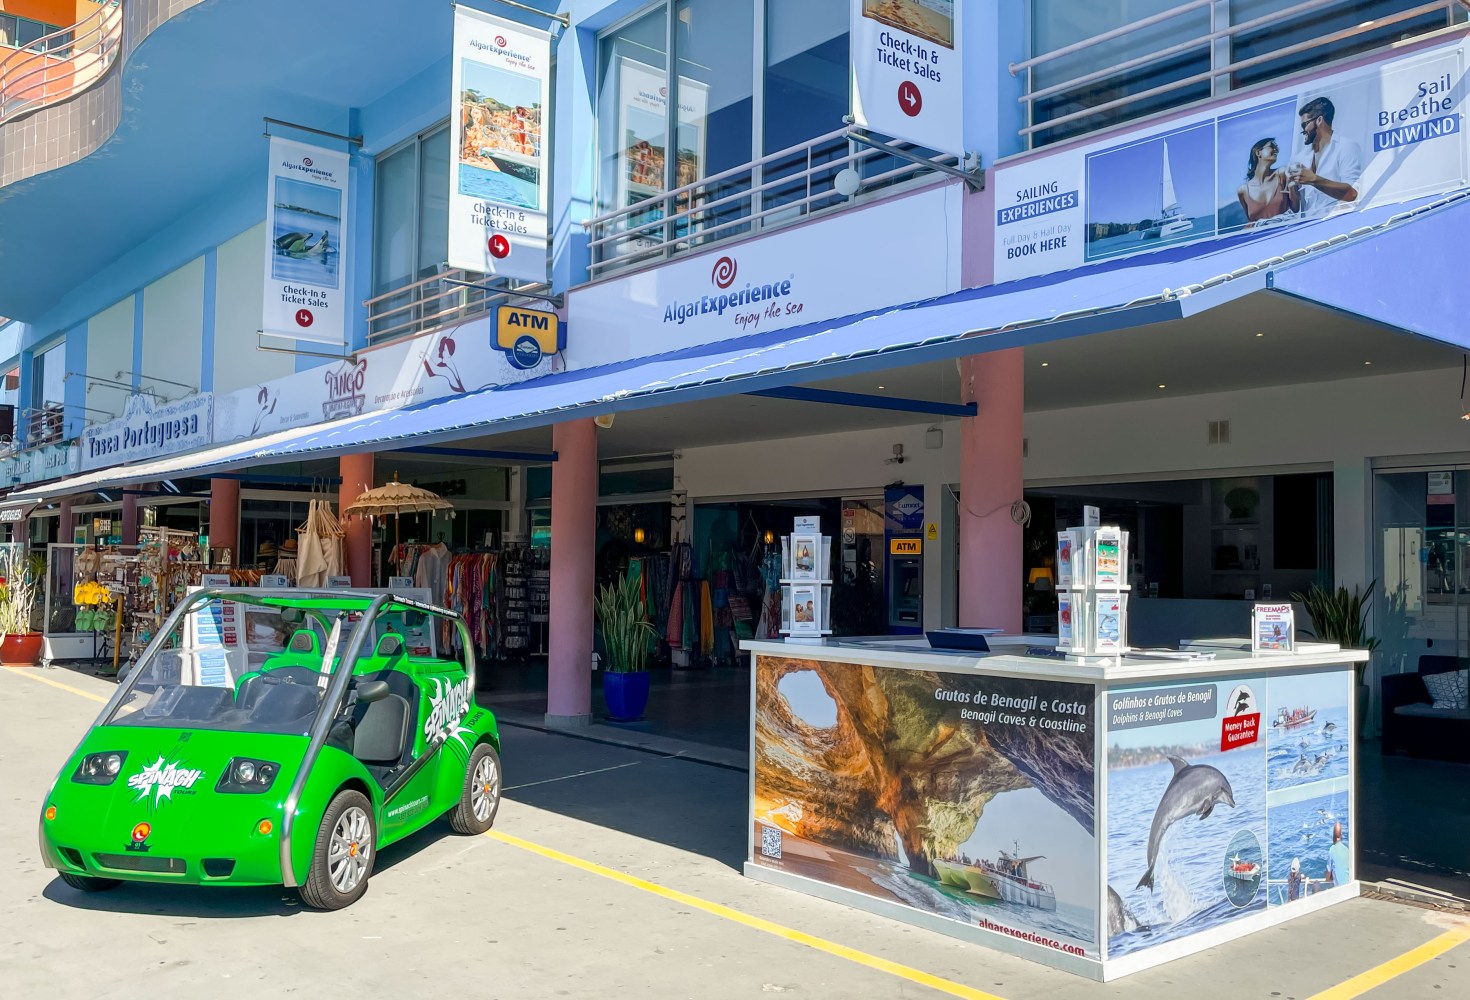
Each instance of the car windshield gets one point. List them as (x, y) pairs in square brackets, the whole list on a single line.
[(238, 667)]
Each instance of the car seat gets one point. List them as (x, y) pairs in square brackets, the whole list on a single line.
[(380, 736), (282, 703), (389, 649)]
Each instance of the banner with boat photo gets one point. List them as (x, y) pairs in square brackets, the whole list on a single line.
[(499, 176), (1224, 798), (1373, 135), (967, 797)]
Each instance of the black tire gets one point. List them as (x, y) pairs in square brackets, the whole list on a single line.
[(339, 878), (89, 883), (472, 815)]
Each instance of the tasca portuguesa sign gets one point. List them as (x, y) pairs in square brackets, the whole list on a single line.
[(148, 430)]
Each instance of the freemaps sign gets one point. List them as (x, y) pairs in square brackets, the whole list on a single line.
[(498, 178), (148, 430), (1372, 136), (306, 243), (906, 70)]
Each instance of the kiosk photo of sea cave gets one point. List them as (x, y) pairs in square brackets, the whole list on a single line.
[(969, 797)]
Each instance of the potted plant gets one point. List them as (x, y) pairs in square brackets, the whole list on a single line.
[(1341, 616), (21, 644), (626, 635)]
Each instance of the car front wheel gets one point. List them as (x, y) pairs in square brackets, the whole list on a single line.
[(343, 858), (480, 798), (89, 883)]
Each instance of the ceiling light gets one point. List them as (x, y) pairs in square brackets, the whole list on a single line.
[(1260, 335), (1367, 362), (1163, 386), (883, 387), (1046, 364)]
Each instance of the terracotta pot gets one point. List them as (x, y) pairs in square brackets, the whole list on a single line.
[(21, 649)]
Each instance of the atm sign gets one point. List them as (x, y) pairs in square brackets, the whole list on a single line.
[(905, 546)]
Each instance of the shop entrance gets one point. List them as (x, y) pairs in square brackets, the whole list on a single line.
[(1416, 779)]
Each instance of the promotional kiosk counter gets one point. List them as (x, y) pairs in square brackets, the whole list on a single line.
[(1097, 814)]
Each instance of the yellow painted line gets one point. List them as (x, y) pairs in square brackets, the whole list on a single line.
[(34, 674), (756, 923), (1395, 967)]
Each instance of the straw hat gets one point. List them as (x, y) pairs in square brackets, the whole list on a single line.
[(289, 545)]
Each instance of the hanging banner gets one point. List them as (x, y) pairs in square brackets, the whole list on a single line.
[(497, 189), (306, 231), (1369, 136), (906, 71)]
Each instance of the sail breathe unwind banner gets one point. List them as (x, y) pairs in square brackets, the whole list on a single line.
[(906, 71), (1370, 136), (306, 239), (498, 181)]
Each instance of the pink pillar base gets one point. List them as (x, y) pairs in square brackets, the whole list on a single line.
[(573, 573), (991, 480), (357, 546)]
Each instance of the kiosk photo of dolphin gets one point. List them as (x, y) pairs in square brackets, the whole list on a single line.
[(1195, 790)]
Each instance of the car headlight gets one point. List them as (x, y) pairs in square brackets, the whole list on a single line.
[(100, 768), (248, 775)]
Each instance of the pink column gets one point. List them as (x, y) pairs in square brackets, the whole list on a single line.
[(357, 547), (573, 574), (130, 516), (224, 517), (991, 543)]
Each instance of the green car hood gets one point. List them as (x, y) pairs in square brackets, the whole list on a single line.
[(170, 780)]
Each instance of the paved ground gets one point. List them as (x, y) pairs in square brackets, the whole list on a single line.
[(611, 871)]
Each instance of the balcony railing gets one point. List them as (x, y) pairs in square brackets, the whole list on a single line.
[(61, 64), (775, 190), (1197, 49), (445, 299)]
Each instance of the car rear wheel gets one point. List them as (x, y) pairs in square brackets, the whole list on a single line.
[(89, 883), (480, 799), (343, 857)]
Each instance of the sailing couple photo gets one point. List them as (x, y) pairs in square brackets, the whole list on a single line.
[(1320, 177), (1273, 164)]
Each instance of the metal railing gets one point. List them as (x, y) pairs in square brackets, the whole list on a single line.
[(33, 78), (445, 299), (775, 190), (1047, 107), (42, 425)]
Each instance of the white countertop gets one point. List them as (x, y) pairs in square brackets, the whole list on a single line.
[(1008, 659)]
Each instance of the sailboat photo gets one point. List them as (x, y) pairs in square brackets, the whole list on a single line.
[(1172, 220)]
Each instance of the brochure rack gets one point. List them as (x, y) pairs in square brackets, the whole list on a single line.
[(806, 586), (1092, 599)]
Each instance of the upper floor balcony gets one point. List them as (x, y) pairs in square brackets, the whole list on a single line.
[(1096, 65), (42, 65)]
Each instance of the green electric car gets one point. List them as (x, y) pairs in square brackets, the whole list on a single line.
[(277, 737)]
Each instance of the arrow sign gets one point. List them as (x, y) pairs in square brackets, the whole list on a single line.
[(910, 100)]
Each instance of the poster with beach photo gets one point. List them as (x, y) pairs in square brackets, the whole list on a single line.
[(967, 797), (1186, 818), (906, 69), (499, 173), (306, 237), (643, 125)]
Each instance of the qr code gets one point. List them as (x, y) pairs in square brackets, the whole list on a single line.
[(770, 841)]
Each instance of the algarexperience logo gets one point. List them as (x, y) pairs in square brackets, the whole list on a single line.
[(722, 276)]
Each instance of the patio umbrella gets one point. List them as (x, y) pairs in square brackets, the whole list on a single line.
[(320, 553), (395, 498)]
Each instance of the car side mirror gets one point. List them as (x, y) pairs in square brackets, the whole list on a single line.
[(371, 691)]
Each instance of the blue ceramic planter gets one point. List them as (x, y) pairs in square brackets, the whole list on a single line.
[(626, 694)]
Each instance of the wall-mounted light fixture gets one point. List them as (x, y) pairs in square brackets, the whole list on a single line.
[(639, 535)]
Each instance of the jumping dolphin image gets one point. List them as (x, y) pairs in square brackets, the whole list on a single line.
[(1195, 790), (1120, 918)]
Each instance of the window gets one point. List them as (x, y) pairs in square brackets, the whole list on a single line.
[(48, 396), (411, 241), (1165, 59), (723, 116)]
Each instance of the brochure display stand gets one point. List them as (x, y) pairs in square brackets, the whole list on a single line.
[(806, 583), (1092, 599)]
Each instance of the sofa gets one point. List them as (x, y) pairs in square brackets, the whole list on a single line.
[(1411, 723)]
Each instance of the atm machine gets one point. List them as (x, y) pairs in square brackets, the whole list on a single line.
[(903, 530)]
